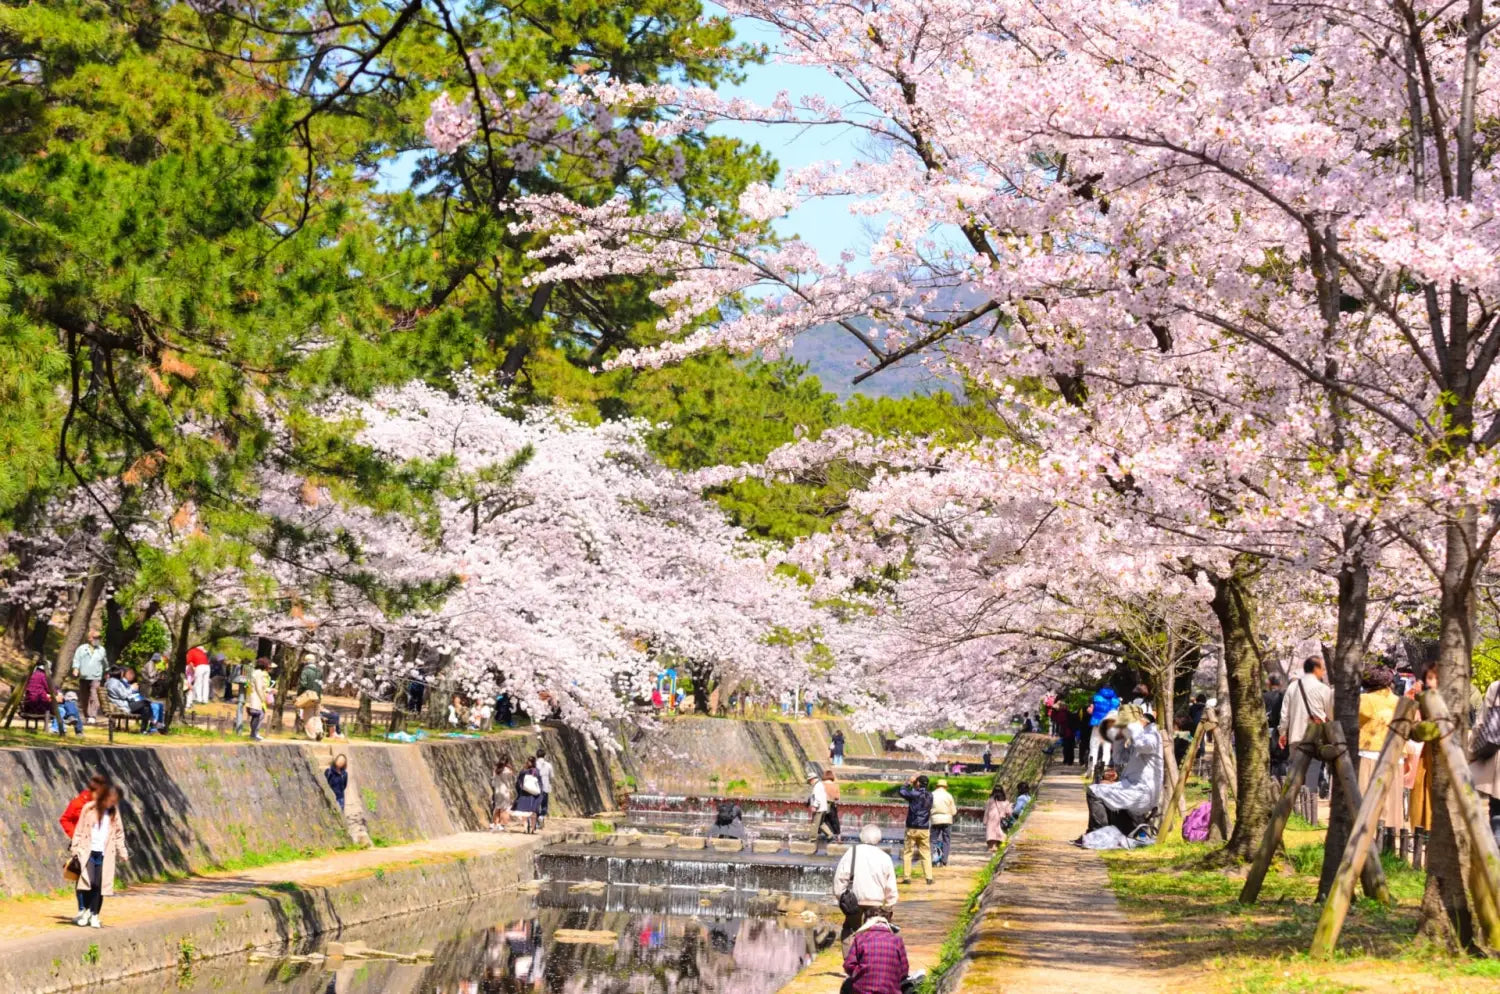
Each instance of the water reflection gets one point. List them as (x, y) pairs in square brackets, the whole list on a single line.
[(645, 953)]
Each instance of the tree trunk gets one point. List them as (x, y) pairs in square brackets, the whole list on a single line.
[(1343, 673), (284, 677), (175, 701), (78, 624), (1446, 917), (1232, 607), (1166, 726)]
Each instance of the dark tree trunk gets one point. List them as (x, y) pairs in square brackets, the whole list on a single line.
[(78, 624), (1344, 665), (284, 676), (175, 672), (120, 631), (1446, 917), (1232, 607)]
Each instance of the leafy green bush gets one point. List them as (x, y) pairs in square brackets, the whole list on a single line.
[(152, 639)]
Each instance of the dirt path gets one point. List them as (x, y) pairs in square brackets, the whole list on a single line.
[(22, 918), (1053, 926)]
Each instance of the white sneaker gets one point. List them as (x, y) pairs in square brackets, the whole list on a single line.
[(94, 922), (82, 919)]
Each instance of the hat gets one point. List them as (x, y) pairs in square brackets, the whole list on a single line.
[(811, 777), (942, 783), (1129, 714)]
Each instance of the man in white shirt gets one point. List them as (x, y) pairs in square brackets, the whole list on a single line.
[(1308, 702), (88, 667), (544, 770), (818, 802), (869, 871)]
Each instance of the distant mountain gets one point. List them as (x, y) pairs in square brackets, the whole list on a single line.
[(834, 356)]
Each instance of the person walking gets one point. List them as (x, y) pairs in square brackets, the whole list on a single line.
[(1484, 755), (944, 810), (1377, 709), (258, 696), (98, 785), (831, 788), (502, 795), (98, 845), (1307, 703), (88, 666), (529, 794), (337, 776), (836, 747), (867, 873), (545, 771), (997, 811), (918, 841), (818, 802)]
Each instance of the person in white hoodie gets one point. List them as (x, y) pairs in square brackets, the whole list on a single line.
[(869, 872), (818, 804)]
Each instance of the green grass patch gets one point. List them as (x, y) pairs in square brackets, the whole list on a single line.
[(967, 788), (958, 734)]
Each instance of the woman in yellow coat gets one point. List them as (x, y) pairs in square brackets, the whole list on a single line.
[(98, 843)]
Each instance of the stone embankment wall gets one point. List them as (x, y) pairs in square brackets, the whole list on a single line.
[(193, 808), (703, 755), (72, 959)]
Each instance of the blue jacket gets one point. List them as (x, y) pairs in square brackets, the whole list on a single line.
[(918, 807), (1105, 701)]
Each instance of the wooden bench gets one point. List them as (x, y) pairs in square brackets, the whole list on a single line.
[(34, 721), (114, 716)]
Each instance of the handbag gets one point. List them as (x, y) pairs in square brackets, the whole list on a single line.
[(73, 870), (848, 903), (531, 785)]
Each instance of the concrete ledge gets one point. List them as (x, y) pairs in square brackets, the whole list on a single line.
[(765, 846), (802, 848), (69, 959), (837, 849), (691, 842), (727, 845), (656, 841)]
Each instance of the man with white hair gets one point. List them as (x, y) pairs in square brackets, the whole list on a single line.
[(867, 873)]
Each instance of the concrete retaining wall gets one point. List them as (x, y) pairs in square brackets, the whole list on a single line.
[(191, 808), (73, 958), (186, 808), (682, 754)]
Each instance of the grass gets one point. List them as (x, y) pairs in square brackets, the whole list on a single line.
[(952, 734), (1193, 924), (968, 788)]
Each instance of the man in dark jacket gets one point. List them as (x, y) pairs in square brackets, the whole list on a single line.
[(918, 825), (1272, 699)]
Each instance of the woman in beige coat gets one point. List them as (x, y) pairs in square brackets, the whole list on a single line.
[(98, 842)]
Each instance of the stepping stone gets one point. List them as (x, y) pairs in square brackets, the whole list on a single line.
[(726, 845), (836, 849), (803, 848), (765, 846), (656, 842), (691, 842)]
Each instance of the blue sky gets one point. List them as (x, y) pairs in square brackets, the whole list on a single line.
[(826, 224)]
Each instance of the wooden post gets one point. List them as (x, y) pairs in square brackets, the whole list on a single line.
[(1179, 789), (1372, 873), (1356, 856), (1484, 855), (1290, 794)]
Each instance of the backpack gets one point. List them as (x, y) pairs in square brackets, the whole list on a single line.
[(531, 785), (1195, 825)]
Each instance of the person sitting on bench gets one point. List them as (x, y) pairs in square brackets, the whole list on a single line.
[(1127, 798), (123, 697)]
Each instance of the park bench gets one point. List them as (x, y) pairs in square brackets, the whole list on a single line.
[(35, 721), (114, 716)]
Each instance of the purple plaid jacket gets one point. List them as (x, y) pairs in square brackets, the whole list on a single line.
[(876, 961)]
